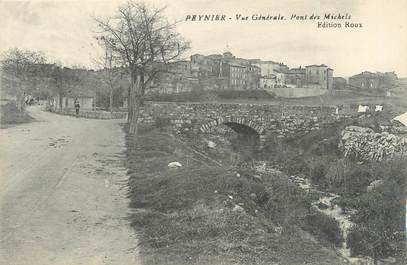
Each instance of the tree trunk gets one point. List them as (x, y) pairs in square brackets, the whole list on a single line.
[(60, 102), (111, 100), (136, 101), (134, 120), (20, 101), (129, 102)]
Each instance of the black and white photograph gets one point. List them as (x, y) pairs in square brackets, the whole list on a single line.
[(203, 132)]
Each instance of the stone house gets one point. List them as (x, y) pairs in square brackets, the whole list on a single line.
[(236, 73), (365, 80), (295, 77), (319, 75), (240, 76), (181, 67), (269, 67), (168, 82), (373, 81), (339, 83), (280, 78), (268, 81)]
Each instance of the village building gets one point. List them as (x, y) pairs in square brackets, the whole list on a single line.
[(373, 81), (320, 76), (364, 80), (268, 81), (181, 67), (226, 71), (170, 81), (280, 78), (339, 83), (269, 67), (230, 72), (295, 77)]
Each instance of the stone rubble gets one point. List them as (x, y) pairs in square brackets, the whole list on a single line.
[(365, 144)]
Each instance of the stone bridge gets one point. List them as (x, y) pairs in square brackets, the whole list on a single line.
[(261, 120)]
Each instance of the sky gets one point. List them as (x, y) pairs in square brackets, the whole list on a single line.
[(65, 31)]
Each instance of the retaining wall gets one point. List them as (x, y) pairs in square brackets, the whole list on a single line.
[(102, 115)]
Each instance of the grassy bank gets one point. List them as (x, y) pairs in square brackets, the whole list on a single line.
[(10, 115), (204, 213), (380, 213)]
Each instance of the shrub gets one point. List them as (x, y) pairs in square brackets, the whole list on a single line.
[(296, 165), (10, 114), (368, 242), (358, 178), (318, 169), (324, 227), (380, 219), (287, 204), (348, 178)]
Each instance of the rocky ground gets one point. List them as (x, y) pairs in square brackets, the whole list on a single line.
[(366, 144)]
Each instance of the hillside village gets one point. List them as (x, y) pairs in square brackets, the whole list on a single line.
[(226, 71), (218, 72), (161, 156)]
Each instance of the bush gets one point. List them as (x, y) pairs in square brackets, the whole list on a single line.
[(318, 170), (10, 114), (368, 242), (380, 217), (324, 227), (348, 178)]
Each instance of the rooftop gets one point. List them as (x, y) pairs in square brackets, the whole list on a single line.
[(315, 65)]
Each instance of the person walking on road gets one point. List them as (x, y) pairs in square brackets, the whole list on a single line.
[(77, 106)]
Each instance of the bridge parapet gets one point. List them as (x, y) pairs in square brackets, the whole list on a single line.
[(278, 120)]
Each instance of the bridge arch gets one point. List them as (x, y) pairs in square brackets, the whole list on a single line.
[(239, 124)]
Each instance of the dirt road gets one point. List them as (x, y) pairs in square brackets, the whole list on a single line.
[(62, 199)]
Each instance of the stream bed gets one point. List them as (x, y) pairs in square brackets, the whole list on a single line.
[(326, 206)]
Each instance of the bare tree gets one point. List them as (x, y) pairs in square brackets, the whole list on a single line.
[(111, 73), (65, 81), (143, 41), (18, 70)]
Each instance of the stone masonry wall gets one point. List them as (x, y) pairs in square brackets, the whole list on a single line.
[(365, 144), (102, 115), (265, 119)]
